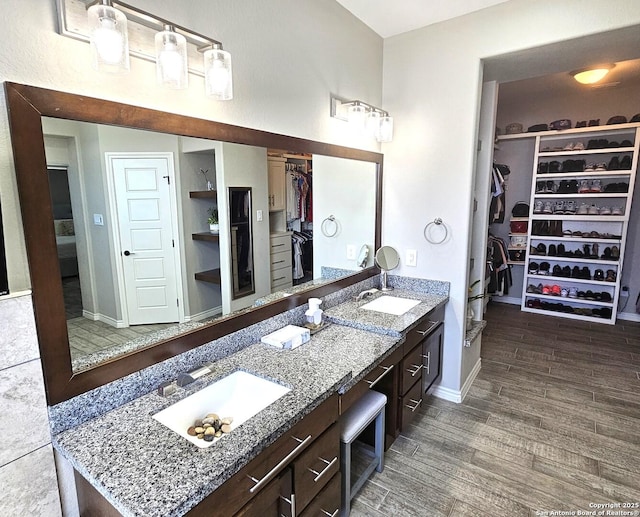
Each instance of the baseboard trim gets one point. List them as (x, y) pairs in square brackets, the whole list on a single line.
[(209, 313), (455, 395), (628, 316), (511, 300), (93, 316)]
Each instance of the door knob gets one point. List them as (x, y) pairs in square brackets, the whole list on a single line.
[(126, 253)]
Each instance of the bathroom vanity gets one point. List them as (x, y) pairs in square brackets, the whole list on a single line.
[(286, 459)]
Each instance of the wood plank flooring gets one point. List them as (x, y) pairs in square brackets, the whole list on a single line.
[(552, 423)]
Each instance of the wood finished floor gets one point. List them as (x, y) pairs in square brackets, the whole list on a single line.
[(552, 423)]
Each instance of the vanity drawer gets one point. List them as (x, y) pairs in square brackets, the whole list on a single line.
[(412, 366), (316, 466), (282, 277), (374, 379), (241, 488), (328, 501), (411, 402), (280, 243), (419, 332), (280, 260)]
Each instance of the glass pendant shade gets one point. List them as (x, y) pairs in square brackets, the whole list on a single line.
[(373, 122), (171, 59), (357, 115), (109, 39), (218, 75), (385, 131)]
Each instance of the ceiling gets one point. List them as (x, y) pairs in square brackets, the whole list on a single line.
[(534, 71), (389, 19)]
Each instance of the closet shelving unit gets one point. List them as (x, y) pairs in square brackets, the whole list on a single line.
[(607, 231), (518, 248), (211, 276)]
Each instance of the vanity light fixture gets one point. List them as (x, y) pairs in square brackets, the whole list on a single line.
[(218, 78), (177, 51), (171, 59), (592, 74), (363, 117), (109, 38)]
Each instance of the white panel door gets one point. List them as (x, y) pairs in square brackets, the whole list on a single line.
[(146, 239)]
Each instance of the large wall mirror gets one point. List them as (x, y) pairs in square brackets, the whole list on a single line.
[(117, 203)]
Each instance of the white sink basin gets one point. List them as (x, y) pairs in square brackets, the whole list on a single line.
[(240, 395), (391, 305)]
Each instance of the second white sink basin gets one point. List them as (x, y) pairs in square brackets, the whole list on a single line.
[(391, 305), (240, 395)]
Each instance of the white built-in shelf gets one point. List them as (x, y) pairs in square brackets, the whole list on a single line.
[(586, 240), (584, 195), (581, 260), (586, 218), (567, 299), (568, 134), (570, 280), (606, 150), (584, 174)]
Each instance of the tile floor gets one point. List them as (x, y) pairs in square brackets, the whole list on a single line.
[(552, 423)]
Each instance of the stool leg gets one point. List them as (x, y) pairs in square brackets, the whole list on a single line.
[(379, 448), (346, 478)]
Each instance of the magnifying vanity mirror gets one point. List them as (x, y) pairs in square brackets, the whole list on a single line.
[(387, 258), (115, 202)]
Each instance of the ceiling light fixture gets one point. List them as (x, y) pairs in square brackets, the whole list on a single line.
[(363, 117), (592, 74), (117, 30)]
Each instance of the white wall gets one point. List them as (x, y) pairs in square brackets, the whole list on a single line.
[(432, 79)]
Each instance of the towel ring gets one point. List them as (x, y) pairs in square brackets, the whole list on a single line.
[(437, 222), (325, 226)]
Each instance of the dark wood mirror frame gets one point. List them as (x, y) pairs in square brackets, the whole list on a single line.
[(26, 106)]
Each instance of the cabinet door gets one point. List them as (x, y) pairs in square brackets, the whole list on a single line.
[(432, 355), (273, 500), (276, 185)]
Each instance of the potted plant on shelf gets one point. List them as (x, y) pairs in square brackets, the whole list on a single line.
[(214, 225)]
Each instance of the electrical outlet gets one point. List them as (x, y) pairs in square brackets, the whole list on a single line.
[(351, 252), (411, 258)]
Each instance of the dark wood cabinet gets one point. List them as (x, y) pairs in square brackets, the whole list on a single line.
[(432, 357)]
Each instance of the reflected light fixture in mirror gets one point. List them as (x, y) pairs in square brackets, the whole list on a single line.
[(217, 73), (593, 74), (171, 59), (109, 38)]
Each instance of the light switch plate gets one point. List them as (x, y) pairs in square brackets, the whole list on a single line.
[(258, 215), (411, 258), (98, 220), (351, 252)]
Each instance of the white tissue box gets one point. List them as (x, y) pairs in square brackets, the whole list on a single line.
[(287, 337)]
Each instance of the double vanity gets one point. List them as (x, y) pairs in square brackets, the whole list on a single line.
[(129, 463)]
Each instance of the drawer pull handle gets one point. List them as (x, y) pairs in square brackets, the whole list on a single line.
[(428, 358), (433, 325), (325, 512), (320, 474), (292, 503), (259, 483), (417, 367), (386, 369), (416, 406)]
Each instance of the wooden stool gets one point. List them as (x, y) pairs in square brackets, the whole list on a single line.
[(356, 419)]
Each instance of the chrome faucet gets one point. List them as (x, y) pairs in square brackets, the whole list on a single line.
[(189, 377), (366, 293)]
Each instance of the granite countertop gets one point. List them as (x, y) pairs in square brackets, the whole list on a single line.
[(350, 314), (145, 469)]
